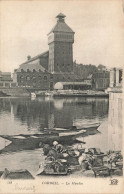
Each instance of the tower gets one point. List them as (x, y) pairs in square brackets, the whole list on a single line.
[(60, 41)]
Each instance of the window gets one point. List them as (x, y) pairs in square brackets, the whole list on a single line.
[(7, 84), (34, 79), (40, 78), (13, 84), (27, 78), (1, 84), (45, 77), (51, 76)]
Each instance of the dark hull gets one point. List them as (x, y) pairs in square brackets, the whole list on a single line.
[(31, 142)]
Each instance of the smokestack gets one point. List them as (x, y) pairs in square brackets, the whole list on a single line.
[(28, 57)]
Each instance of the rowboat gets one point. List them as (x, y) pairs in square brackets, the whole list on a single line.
[(72, 133)]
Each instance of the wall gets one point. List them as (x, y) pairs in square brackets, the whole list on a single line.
[(34, 79), (63, 59), (101, 80), (115, 121), (18, 92)]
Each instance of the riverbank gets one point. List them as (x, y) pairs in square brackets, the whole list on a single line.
[(72, 93), (24, 92), (14, 92), (2, 94)]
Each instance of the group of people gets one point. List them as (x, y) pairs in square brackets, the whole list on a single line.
[(59, 157)]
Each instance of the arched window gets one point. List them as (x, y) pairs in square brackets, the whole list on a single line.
[(34, 79), (27, 78), (51, 76), (39, 78), (45, 77)]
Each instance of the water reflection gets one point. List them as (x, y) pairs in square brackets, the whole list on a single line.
[(23, 115)]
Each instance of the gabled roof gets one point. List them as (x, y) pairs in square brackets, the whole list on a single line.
[(44, 54), (5, 73)]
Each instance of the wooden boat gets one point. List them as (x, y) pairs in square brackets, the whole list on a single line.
[(72, 133), (31, 141), (54, 173), (16, 174)]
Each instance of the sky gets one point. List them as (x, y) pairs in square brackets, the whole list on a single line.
[(98, 27)]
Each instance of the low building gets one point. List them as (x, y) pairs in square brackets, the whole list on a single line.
[(6, 81), (5, 76), (101, 80), (85, 85)]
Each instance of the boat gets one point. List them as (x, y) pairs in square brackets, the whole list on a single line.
[(72, 133), (16, 174), (66, 172)]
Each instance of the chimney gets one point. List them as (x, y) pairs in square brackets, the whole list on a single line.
[(28, 57)]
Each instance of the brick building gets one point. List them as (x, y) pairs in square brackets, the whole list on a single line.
[(55, 65), (33, 73)]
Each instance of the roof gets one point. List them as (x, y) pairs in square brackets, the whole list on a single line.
[(31, 67), (44, 54), (61, 26), (60, 15), (74, 83), (5, 73)]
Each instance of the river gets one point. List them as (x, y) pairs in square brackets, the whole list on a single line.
[(29, 116)]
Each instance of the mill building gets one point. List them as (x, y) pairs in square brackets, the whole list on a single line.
[(45, 70)]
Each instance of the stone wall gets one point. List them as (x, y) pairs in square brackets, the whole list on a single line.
[(115, 121), (17, 92)]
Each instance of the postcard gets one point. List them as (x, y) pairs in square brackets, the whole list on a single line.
[(61, 96)]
